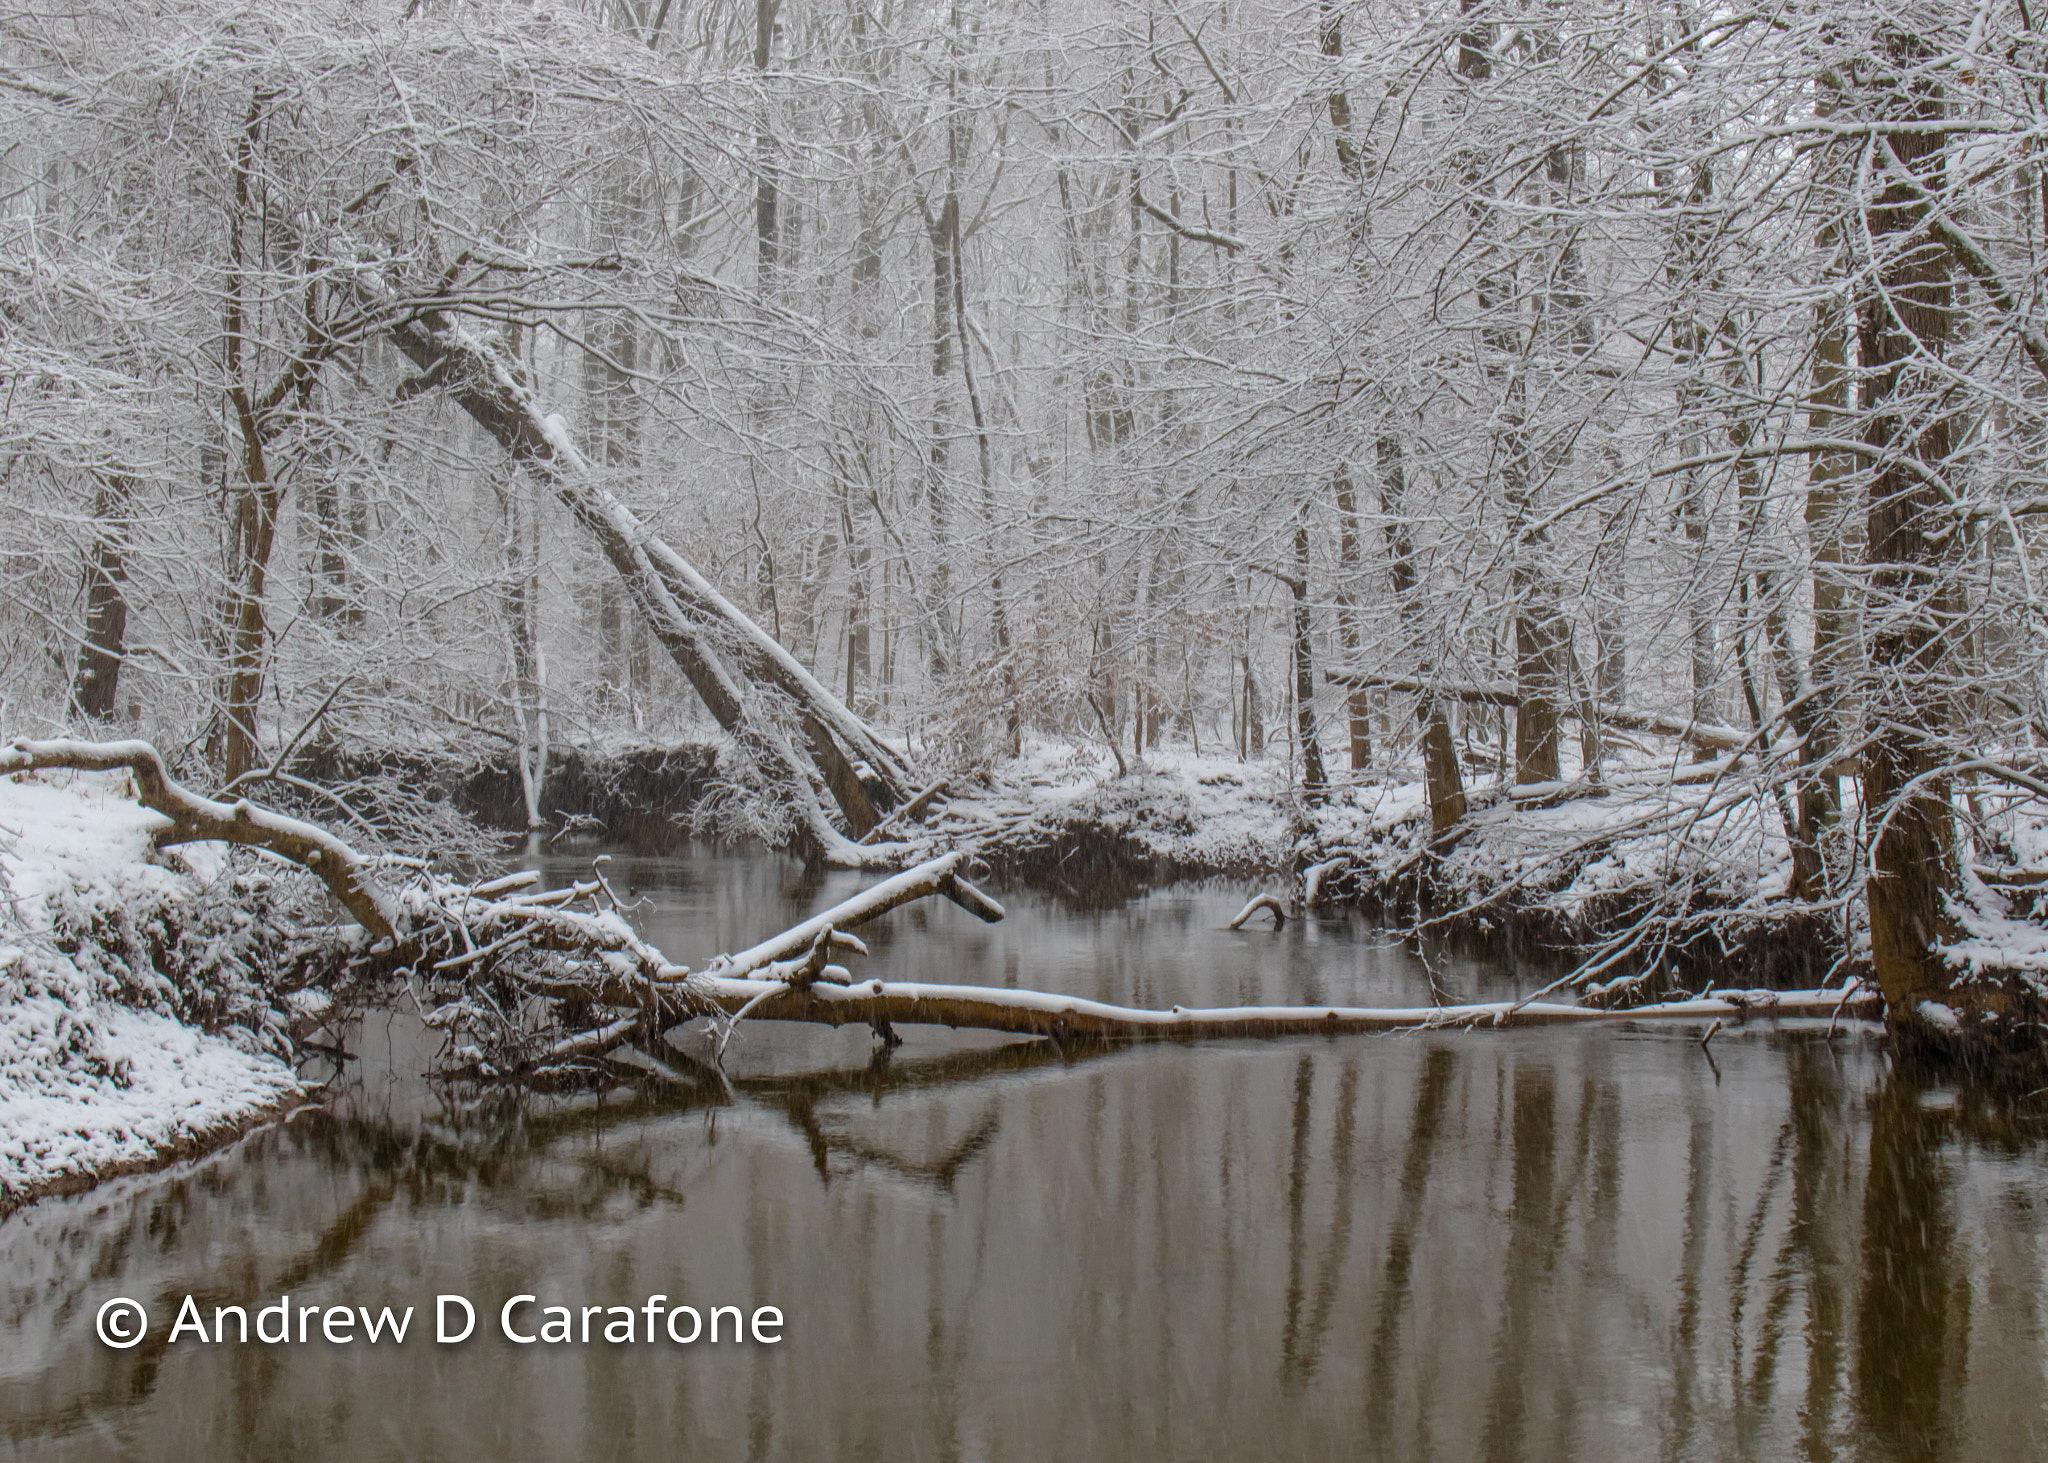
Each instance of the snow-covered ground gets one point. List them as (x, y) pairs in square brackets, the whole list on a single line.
[(1670, 863), (1216, 813), (98, 1073), (1196, 813)]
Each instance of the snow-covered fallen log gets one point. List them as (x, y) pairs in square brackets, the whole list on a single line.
[(1705, 735), (935, 876), (755, 689), (886, 1004), (195, 819)]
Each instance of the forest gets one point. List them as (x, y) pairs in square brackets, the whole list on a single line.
[(1590, 453)]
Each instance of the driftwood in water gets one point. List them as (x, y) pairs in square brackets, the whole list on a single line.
[(1256, 903), (1703, 735), (628, 991)]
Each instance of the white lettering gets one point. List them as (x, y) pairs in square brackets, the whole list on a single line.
[(441, 1304), (505, 1320), (385, 1318), (188, 1316)]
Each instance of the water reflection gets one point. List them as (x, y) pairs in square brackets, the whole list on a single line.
[(1532, 1245)]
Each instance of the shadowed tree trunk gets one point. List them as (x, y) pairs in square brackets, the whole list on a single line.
[(1903, 322), (1817, 720), (1358, 702), (1542, 635), (1315, 781), (95, 687), (1442, 775)]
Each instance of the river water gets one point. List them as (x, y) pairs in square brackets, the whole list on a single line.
[(1541, 1244)]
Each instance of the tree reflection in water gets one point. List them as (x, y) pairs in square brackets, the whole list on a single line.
[(1544, 1246)]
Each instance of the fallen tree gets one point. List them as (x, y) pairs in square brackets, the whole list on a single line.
[(1071, 1018), (194, 819), (755, 689), (540, 985), (1705, 736)]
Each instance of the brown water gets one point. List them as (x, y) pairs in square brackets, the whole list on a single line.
[(1531, 1245)]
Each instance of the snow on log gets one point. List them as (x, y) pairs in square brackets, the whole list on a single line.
[(195, 819), (1256, 903), (934, 876), (1064, 1018), (911, 812), (728, 658), (1698, 733), (1314, 876)]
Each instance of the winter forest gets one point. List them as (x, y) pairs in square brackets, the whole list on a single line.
[(1540, 508), (1592, 454)]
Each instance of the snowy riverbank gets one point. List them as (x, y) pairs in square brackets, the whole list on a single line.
[(1693, 855), (110, 963)]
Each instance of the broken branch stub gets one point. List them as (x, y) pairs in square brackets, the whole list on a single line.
[(1256, 903)]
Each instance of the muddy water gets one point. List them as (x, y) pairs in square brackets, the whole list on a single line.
[(1532, 1245)]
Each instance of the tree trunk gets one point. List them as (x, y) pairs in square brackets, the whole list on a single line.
[(998, 614), (96, 685), (1817, 722), (1902, 318), (1442, 776), (695, 624), (1315, 782), (1542, 636), (1358, 703)]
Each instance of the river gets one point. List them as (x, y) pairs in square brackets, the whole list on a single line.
[(1547, 1244)]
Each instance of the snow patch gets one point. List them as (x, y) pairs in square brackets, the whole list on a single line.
[(96, 1071)]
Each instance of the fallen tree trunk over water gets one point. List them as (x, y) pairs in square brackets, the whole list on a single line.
[(530, 987), (1038, 1013), (754, 688)]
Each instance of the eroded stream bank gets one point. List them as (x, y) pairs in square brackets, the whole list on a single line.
[(1516, 1245), (1537, 882)]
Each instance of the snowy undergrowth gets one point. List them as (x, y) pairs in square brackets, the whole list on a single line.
[(1695, 854), (135, 1019), (1185, 813), (1218, 812)]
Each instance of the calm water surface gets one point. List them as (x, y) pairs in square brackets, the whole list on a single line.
[(1530, 1245)]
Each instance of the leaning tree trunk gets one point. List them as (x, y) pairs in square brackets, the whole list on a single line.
[(736, 667), (1903, 319)]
